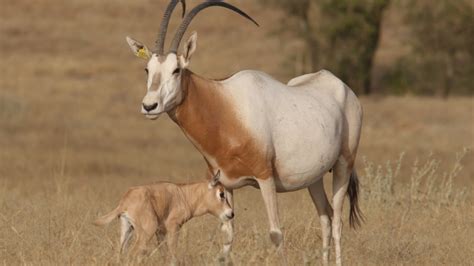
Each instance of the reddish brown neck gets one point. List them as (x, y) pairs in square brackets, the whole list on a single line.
[(197, 92), (203, 113), (209, 118)]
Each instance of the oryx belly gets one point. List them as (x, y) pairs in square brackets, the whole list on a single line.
[(306, 136), (307, 142)]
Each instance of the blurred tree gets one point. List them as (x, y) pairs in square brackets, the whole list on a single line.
[(353, 29), (298, 22), (341, 35), (443, 43)]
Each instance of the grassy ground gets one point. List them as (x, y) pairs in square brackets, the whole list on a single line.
[(72, 141)]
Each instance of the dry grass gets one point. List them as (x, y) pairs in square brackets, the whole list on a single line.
[(72, 140), (46, 221)]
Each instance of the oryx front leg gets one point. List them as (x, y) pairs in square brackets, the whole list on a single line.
[(268, 190), (228, 229)]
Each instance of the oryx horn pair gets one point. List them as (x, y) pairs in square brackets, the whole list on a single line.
[(160, 42)]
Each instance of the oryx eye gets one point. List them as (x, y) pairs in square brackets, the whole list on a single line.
[(176, 71), (222, 195), (146, 71)]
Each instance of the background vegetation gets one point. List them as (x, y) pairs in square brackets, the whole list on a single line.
[(72, 139), (344, 36)]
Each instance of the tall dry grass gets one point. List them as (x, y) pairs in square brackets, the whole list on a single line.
[(428, 220)]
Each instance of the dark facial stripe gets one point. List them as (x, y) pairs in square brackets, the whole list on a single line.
[(155, 83)]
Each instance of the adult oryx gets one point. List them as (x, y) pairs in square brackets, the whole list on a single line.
[(261, 132)]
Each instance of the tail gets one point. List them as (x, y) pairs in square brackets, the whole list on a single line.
[(355, 215), (109, 217)]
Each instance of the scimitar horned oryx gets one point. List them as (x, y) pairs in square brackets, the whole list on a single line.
[(260, 132)]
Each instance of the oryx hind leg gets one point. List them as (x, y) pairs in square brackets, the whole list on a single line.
[(325, 212), (341, 175)]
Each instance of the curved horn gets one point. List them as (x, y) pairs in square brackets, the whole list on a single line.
[(189, 17), (160, 41)]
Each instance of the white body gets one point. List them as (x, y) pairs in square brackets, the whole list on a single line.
[(301, 121)]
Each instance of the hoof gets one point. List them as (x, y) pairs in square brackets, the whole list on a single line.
[(276, 237), (224, 260)]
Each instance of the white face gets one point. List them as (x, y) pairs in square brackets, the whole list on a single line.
[(163, 85)]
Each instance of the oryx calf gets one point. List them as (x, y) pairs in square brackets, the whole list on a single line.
[(161, 209)]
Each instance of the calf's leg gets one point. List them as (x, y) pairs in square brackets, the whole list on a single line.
[(172, 229), (126, 232)]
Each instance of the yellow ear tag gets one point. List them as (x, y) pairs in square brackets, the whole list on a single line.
[(142, 53)]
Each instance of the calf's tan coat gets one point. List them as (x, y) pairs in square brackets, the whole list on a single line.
[(161, 209)]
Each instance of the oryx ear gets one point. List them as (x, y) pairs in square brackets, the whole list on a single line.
[(188, 50), (138, 49), (215, 179)]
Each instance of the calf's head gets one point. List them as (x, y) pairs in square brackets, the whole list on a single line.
[(217, 201)]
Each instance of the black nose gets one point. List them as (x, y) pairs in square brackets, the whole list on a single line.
[(149, 108), (231, 215)]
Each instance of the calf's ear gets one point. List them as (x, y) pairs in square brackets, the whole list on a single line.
[(215, 179)]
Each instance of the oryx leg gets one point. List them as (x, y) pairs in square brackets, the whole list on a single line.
[(139, 251), (269, 194), (320, 200), (126, 232), (340, 184), (228, 229), (160, 236), (145, 229), (172, 229)]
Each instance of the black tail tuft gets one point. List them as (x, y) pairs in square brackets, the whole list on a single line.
[(355, 216)]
